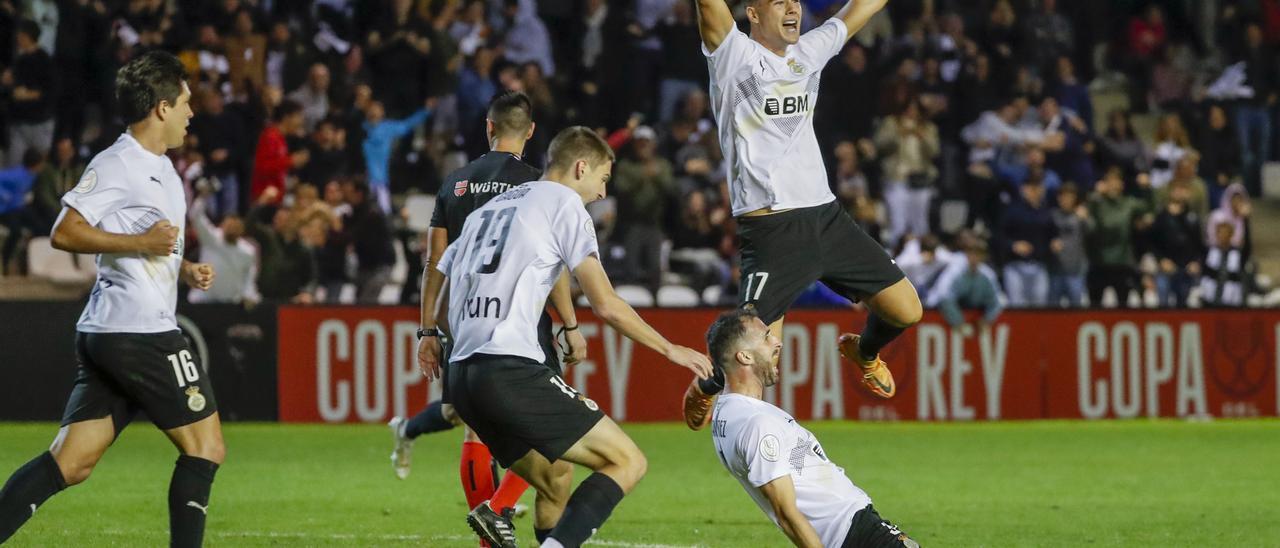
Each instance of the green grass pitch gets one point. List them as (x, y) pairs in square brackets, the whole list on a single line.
[(1139, 483)]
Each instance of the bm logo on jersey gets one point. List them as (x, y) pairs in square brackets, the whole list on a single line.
[(790, 105)]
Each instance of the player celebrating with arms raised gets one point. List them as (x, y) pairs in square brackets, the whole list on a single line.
[(780, 463), (500, 271), (792, 231), (132, 355)]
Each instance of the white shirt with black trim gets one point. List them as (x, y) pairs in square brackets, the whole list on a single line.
[(764, 106), (504, 263), (125, 190), (758, 443)]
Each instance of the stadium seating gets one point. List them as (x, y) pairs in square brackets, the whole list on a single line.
[(677, 296), (43, 261)]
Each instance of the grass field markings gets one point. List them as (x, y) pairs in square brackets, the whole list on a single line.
[(353, 536)]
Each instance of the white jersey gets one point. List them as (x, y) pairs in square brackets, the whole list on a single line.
[(763, 104), (504, 263), (125, 190), (758, 443)]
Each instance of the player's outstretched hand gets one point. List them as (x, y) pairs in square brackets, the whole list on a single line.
[(691, 359), (429, 357), (160, 239), (577, 350), (198, 275)]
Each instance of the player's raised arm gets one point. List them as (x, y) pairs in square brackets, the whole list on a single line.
[(856, 13), (714, 22), (617, 313)]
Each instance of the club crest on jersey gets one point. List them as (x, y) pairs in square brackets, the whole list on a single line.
[(790, 105), (769, 447), (797, 68), (87, 182), (195, 400), (460, 188)]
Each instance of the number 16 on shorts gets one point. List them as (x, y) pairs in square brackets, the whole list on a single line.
[(754, 281), (184, 368)]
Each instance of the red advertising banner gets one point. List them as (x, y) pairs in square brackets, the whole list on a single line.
[(348, 364)]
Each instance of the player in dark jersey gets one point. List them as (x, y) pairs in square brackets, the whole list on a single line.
[(509, 126)]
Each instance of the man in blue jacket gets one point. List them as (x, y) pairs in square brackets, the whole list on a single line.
[(380, 135)]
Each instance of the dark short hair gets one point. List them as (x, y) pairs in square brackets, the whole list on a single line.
[(511, 113), (285, 109), (577, 143), (32, 157), (29, 28), (724, 334), (145, 82), (359, 186)]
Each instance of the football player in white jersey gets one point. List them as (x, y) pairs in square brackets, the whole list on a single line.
[(131, 354), (779, 463), (792, 231), (500, 271)]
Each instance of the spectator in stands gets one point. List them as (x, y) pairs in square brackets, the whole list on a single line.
[(334, 261), (286, 266), (30, 85), (380, 135), (1071, 264), (1171, 80), (15, 186), (1219, 153), (58, 176), (1049, 36), (645, 186), (327, 155), (220, 135), (1253, 114), (233, 258), (1121, 147), (1234, 209), (1177, 246), (847, 98), (1185, 176), (1146, 37), (1117, 218), (696, 241), (1172, 143), (972, 287), (1031, 164), (527, 39), (476, 89), (272, 161), (1072, 94), (1072, 159), (1031, 240), (1002, 41), (313, 96), (681, 73), (1223, 284), (908, 144), (369, 232), (397, 48), (246, 54), (924, 260)]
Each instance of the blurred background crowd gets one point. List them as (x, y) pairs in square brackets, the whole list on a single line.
[(1025, 153)]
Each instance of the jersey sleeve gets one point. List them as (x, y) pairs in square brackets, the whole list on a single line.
[(446, 260), (734, 51), (764, 449), (575, 234), (101, 190), (823, 42), (438, 213)]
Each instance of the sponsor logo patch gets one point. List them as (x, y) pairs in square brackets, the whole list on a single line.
[(460, 188)]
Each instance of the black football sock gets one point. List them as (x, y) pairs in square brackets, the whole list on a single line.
[(714, 384), (588, 508), (26, 490), (429, 420), (876, 335), (541, 534), (189, 500)]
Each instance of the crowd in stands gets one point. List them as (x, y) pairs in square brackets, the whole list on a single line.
[(960, 134)]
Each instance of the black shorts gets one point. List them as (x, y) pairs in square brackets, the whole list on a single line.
[(869, 530), (517, 404), (121, 373), (784, 253), (546, 339)]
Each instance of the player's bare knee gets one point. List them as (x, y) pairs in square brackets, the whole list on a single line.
[(450, 414), (213, 450), (75, 469)]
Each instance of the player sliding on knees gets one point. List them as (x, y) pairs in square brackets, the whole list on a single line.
[(792, 231), (777, 461), (131, 354), (500, 271)]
